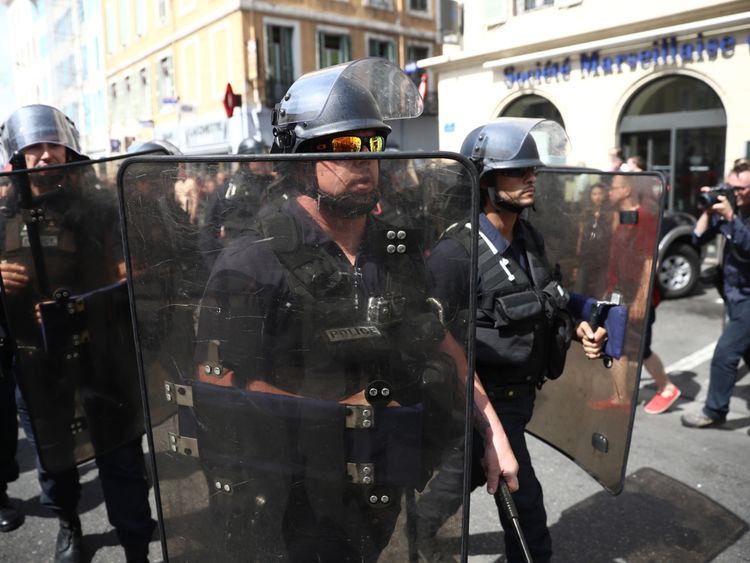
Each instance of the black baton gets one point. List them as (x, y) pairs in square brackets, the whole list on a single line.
[(511, 512)]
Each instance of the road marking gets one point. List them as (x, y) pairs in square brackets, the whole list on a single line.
[(693, 360)]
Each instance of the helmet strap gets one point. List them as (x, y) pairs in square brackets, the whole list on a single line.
[(501, 204), (346, 206)]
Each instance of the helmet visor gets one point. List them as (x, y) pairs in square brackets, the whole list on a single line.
[(552, 142), (397, 96), (503, 143), (34, 124)]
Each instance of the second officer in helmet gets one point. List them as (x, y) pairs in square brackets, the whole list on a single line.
[(61, 271), (322, 336), (523, 327)]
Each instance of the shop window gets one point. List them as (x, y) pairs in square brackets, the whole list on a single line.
[(533, 105)]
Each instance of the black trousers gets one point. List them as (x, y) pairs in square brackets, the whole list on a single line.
[(8, 432), (122, 474), (443, 495), (515, 415)]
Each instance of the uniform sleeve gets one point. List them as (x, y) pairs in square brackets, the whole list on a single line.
[(448, 268), (238, 312)]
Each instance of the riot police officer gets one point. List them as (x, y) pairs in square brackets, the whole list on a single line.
[(60, 238), (234, 203), (322, 327), (523, 327)]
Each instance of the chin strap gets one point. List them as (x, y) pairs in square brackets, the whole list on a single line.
[(500, 204), (344, 207)]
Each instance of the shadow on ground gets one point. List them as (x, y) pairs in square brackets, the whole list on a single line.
[(656, 518)]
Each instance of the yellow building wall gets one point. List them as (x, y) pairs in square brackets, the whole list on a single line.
[(210, 43)]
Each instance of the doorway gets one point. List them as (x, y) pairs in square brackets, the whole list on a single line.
[(678, 125)]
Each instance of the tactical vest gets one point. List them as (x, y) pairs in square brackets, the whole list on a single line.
[(331, 340), (523, 330), (60, 249)]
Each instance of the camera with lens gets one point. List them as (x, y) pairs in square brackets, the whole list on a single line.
[(709, 198)]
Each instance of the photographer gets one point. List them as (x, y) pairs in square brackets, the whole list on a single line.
[(727, 212)]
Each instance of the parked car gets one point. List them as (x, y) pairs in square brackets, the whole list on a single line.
[(679, 261)]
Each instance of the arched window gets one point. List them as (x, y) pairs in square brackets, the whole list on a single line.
[(533, 105), (677, 124)]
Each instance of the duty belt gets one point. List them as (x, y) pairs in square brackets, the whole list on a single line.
[(510, 392)]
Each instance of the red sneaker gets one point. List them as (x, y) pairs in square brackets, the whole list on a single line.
[(609, 404), (662, 401)]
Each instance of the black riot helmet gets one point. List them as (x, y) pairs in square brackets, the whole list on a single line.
[(361, 94), (250, 146), (37, 123), (514, 143), (154, 146)]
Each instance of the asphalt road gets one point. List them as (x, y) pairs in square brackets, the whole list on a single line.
[(687, 492), (686, 497)]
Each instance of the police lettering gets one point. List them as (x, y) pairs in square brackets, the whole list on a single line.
[(352, 333)]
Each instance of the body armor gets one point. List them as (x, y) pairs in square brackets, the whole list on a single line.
[(332, 338), (74, 353), (522, 325)]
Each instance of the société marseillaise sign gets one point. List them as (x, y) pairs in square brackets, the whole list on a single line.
[(665, 51)]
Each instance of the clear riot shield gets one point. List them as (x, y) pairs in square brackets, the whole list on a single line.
[(601, 232), (301, 401), (67, 309)]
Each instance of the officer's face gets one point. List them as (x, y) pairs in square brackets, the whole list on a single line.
[(351, 177), (517, 185), (44, 154)]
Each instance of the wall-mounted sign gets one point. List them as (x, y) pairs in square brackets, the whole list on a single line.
[(206, 133), (664, 51)]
